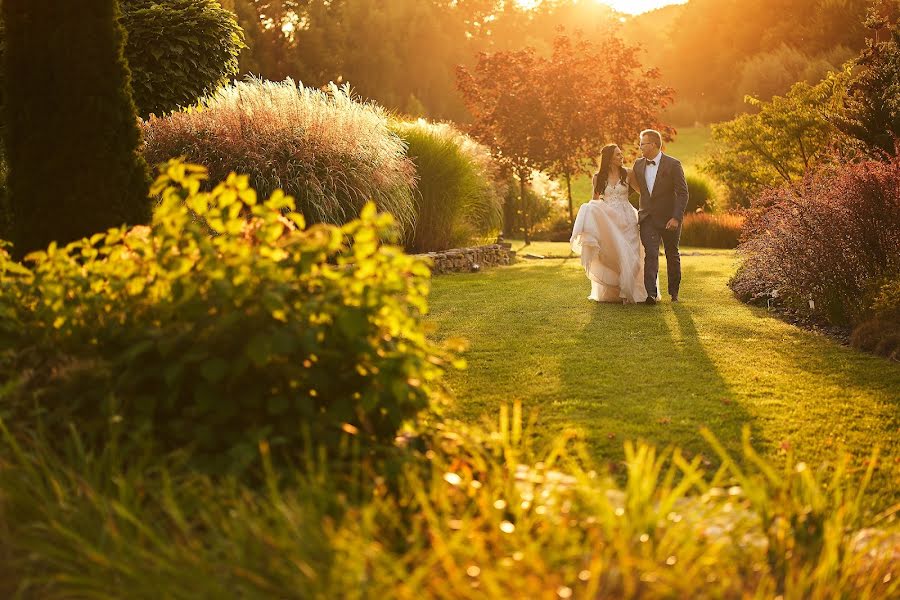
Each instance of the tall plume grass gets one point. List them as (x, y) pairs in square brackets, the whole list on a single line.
[(712, 230), (460, 190), (329, 151)]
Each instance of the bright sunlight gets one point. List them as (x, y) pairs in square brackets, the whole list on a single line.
[(631, 7), (635, 7)]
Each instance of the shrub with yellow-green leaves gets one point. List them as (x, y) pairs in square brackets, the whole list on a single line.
[(225, 322)]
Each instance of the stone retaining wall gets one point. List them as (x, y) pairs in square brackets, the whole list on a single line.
[(466, 260)]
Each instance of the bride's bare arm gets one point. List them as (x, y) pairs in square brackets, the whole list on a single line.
[(632, 180)]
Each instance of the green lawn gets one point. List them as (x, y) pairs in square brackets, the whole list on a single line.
[(660, 373), (690, 146)]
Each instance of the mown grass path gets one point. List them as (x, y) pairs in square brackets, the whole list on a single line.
[(660, 373)]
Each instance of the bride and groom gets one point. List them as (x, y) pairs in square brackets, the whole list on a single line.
[(619, 245)]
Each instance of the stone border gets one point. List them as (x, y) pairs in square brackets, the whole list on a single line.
[(468, 260)]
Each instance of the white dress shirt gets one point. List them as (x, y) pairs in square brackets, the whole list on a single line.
[(650, 172)]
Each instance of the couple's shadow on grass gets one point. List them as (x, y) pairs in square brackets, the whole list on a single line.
[(654, 381)]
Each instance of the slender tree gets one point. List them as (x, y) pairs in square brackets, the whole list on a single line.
[(509, 113), (72, 136), (595, 93), (555, 113)]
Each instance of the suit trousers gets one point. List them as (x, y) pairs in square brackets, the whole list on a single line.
[(651, 235)]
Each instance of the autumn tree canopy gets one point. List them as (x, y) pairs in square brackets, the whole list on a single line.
[(556, 112), (596, 93)]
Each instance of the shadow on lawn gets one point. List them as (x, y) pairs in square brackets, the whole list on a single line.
[(825, 357), (663, 388)]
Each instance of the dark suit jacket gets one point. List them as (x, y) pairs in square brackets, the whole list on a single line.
[(670, 192)]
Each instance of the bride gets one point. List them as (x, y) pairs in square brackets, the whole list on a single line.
[(606, 234)]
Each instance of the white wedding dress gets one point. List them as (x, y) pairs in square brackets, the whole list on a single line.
[(607, 237)]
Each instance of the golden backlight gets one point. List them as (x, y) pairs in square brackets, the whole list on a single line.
[(632, 7)]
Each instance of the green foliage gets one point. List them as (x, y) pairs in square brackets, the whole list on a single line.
[(778, 143), (772, 73), (707, 44), (525, 207), (701, 193), (872, 113), (71, 132), (460, 190), (714, 48), (474, 514), (887, 300), (329, 151), (706, 230), (179, 51), (359, 41), (224, 323)]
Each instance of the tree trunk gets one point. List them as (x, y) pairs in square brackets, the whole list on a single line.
[(569, 193), (523, 202)]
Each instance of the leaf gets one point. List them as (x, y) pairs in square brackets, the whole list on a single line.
[(214, 369), (259, 349)]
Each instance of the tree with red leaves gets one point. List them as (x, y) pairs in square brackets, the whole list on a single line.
[(508, 107), (596, 93), (555, 113)]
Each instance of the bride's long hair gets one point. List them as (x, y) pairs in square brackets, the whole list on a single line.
[(602, 175)]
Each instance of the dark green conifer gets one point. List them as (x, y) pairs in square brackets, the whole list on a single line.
[(72, 137)]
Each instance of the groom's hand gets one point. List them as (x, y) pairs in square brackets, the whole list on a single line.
[(672, 225)]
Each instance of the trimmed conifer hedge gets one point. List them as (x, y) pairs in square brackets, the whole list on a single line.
[(72, 135), (179, 51)]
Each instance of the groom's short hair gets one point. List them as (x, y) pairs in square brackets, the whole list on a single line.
[(653, 134)]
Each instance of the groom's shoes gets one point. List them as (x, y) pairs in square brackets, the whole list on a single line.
[(650, 301), (675, 298)]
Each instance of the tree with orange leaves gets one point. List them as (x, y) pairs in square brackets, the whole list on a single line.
[(556, 113), (509, 107), (597, 93)]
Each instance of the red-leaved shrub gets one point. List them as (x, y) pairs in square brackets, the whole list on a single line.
[(880, 333), (822, 245)]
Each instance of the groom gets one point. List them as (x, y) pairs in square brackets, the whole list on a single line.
[(664, 196)]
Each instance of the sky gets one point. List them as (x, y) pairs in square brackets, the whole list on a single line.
[(631, 7), (634, 7)]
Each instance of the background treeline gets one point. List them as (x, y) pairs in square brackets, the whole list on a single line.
[(402, 53), (714, 52)]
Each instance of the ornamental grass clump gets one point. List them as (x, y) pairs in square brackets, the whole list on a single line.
[(819, 247), (712, 230), (225, 322), (459, 187), (330, 152)]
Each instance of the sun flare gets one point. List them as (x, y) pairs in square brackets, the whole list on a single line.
[(631, 7), (635, 7)]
